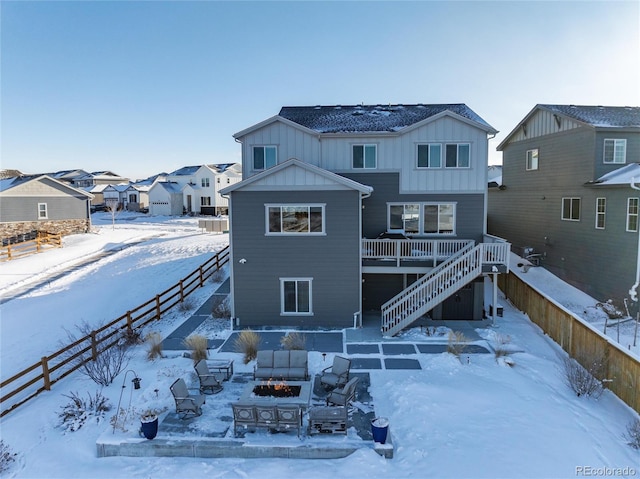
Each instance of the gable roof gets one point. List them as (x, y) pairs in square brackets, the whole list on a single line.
[(311, 174), (591, 116), (373, 118), (10, 183), (368, 118), (170, 187)]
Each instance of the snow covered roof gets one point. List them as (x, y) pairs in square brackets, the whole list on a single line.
[(9, 183), (169, 186), (621, 176), (372, 118), (600, 116)]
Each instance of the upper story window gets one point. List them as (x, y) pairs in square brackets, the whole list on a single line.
[(264, 157), (42, 211), (365, 156), (601, 211), (615, 151), (457, 155), (532, 159), (218, 180), (571, 209), (632, 214), (204, 182), (430, 155), (295, 219)]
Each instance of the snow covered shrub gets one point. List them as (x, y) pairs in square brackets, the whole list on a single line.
[(611, 310), (78, 411), (131, 337), (187, 305), (198, 345), (222, 309), (584, 380), (219, 276), (111, 352), (154, 345), (294, 340), (457, 343), (633, 434), (7, 456), (247, 343), (502, 345)]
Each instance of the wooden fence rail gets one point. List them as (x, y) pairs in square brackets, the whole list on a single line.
[(42, 239), (578, 338), (40, 376)]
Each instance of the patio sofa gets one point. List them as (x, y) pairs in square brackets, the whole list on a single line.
[(287, 365)]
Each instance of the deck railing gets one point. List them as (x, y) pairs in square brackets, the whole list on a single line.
[(430, 251)]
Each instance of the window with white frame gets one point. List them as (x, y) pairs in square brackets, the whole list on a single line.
[(430, 155), (365, 156), (405, 217), (457, 155), (295, 296), (601, 211), (632, 214), (615, 150), (204, 182), (532, 159), (264, 157), (42, 211), (295, 219), (571, 209), (205, 201), (422, 218)]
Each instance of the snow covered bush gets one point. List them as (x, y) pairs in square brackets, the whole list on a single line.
[(79, 410), (154, 345), (222, 309), (584, 380), (7, 457), (247, 343), (633, 434), (187, 305), (294, 340), (457, 343), (198, 345)]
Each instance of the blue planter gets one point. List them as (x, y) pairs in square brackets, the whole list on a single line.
[(379, 429), (149, 428)]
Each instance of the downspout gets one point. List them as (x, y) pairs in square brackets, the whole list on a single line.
[(633, 292), (358, 314)]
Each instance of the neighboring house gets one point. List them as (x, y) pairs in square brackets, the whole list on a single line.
[(97, 192), (39, 202), (201, 186), (116, 195), (68, 176), (10, 173), (165, 199), (351, 208), (98, 178), (566, 196), (138, 197)]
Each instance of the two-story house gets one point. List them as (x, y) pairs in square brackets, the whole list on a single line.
[(566, 194), (351, 208), (201, 185)]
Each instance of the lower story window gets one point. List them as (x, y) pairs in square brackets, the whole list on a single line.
[(571, 209), (205, 201), (405, 217), (423, 218), (42, 211), (632, 214), (295, 296)]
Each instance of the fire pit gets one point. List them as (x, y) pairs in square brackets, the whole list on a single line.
[(279, 390)]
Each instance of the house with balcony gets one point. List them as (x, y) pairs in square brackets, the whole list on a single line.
[(566, 198), (346, 209)]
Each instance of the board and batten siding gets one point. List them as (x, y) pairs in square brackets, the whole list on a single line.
[(395, 152), (543, 123), (332, 260)]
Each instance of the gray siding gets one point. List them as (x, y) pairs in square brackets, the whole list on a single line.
[(469, 210), (528, 213), (332, 260), (633, 151), (13, 209)]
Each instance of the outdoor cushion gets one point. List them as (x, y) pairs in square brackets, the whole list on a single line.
[(280, 373), (263, 373), (298, 359), (264, 359), (281, 359), (299, 373)]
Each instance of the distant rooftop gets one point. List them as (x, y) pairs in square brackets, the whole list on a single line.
[(371, 118), (600, 116)]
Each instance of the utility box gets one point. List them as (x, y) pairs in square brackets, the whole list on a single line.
[(214, 225)]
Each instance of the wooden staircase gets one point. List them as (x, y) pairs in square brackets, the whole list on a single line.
[(444, 280)]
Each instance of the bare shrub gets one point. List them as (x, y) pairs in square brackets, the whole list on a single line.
[(79, 410), (219, 276), (247, 343), (633, 434), (111, 355), (187, 305), (222, 309), (584, 380), (154, 345), (294, 340), (131, 337), (198, 345), (502, 348), (7, 457), (457, 343)]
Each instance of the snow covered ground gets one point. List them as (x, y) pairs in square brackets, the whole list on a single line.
[(481, 418)]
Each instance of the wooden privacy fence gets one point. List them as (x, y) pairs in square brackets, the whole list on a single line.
[(37, 242), (578, 338), (39, 377)]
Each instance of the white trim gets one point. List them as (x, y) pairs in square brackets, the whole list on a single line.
[(528, 162), (571, 210), (421, 205), (601, 213), (428, 167), (264, 148), (46, 211), (296, 280), (322, 206), (457, 144), (629, 215), (618, 143)]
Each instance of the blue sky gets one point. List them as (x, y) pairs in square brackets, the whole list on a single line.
[(144, 87)]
